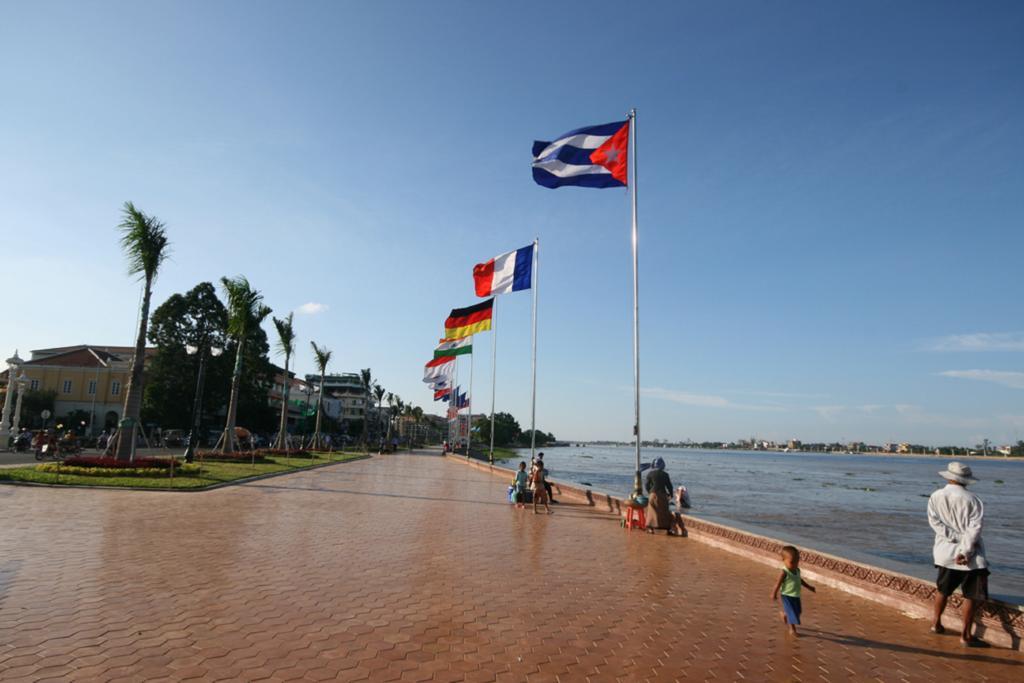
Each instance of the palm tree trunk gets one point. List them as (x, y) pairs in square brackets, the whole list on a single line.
[(228, 439), (319, 413), (366, 421), (133, 396), (380, 427), (282, 432)]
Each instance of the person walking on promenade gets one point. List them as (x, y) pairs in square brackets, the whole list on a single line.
[(547, 484), (789, 584), (956, 515), (538, 477), (519, 485), (659, 488)]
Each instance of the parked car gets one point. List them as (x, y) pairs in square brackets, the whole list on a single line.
[(174, 438)]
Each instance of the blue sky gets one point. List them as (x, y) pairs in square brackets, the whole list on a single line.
[(831, 197)]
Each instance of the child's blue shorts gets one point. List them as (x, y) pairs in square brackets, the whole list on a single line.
[(791, 606)]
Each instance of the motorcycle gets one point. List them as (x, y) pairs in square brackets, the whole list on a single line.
[(49, 451), (22, 442)]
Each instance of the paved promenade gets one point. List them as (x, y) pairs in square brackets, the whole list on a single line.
[(411, 568)]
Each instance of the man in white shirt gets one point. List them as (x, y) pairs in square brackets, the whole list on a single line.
[(956, 516)]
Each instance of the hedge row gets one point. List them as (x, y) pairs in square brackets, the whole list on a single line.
[(57, 468), (261, 455), (106, 462)]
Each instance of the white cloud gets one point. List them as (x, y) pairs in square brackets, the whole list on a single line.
[(1014, 380), (829, 413), (702, 400), (311, 308), (979, 341)]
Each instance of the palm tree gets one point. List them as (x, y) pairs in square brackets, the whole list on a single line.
[(391, 412), (145, 245), (366, 379), (417, 415), (285, 346), (245, 313), (323, 357), (378, 393)]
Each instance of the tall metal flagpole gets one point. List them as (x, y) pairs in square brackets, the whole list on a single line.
[(453, 400), (494, 370), (637, 484), (533, 406), (469, 426)]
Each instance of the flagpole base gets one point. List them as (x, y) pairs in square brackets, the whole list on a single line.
[(638, 489)]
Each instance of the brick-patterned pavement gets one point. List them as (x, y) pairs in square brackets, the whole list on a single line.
[(411, 568)]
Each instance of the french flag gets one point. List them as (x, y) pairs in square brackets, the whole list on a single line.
[(511, 272), (595, 156)]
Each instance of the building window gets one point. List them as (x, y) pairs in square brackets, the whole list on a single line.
[(34, 385), (92, 387), (115, 388), (67, 386)]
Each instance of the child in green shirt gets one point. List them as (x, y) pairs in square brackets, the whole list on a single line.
[(789, 584)]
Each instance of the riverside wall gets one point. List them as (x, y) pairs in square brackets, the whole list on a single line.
[(1000, 623)]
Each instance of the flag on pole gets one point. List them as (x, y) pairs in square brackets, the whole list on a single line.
[(511, 272), (463, 322), (442, 394), (462, 400), (454, 347), (438, 368), (594, 156)]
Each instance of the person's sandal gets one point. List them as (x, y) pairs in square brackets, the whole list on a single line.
[(940, 629)]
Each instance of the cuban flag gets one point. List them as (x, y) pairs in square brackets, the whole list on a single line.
[(511, 272), (588, 157)]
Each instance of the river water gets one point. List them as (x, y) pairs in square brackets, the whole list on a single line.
[(864, 507)]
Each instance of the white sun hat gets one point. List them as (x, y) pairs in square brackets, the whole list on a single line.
[(959, 472)]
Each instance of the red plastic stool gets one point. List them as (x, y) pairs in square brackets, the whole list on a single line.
[(635, 518)]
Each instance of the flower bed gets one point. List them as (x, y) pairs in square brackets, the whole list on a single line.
[(281, 453), (238, 456), (105, 462), (261, 455), (106, 471)]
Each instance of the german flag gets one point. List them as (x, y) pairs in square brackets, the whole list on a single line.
[(463, 322)]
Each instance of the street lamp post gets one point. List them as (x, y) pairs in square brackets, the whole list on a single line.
[(16, 420), (197, 404), (13, 365)]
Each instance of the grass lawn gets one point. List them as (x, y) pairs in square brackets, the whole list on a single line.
[(213, 473), (505, 454)]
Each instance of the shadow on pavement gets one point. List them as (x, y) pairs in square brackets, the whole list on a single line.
[(857, 641)]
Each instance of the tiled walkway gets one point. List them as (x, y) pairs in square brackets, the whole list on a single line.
[(411, 568)]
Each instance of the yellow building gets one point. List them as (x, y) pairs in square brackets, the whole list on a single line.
[(88, 378)]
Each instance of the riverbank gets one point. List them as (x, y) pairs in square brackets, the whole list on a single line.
[(999, 622), (871, 509), (779, 451)]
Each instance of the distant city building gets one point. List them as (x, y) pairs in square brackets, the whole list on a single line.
[(794, 444), (300, 396), (87, 378), (346, 390)]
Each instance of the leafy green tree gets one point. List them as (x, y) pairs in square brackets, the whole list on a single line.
[(196, 318), (245, 313), (543, 439), (286, 347), (145, 246), (34, 403), (506, 429)]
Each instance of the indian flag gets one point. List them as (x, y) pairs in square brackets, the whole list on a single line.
[(454, 347)]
